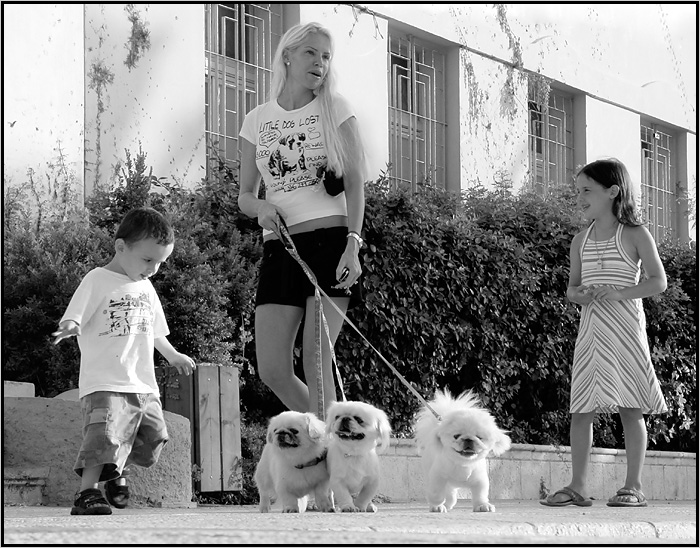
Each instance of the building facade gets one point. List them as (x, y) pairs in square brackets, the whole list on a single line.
[(451, 94)]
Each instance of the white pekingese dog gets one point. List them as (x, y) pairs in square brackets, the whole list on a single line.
[(356, 431), (454, 450), (293, 463)]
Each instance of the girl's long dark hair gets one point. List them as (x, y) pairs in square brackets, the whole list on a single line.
[(611, 172)]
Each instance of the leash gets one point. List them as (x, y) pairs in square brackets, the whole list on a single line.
[(286, 240), (319, 319)]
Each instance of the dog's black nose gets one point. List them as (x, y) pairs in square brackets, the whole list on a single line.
[(286, 438)]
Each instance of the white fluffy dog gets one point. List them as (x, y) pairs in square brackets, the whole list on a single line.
[(293, 463), (454, 450), (356, 431)]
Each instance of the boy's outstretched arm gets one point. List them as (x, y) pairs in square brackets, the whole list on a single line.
[(67, 328), (181, 362)]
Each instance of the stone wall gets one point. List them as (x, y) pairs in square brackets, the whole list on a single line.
[(41, 439), (530, 472)]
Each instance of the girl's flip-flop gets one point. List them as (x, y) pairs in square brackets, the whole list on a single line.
[(625, 493), (574, 499)]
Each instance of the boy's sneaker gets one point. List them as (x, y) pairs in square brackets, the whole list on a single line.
[(90, 502)]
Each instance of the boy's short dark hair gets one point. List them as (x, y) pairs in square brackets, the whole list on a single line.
[(145, 222)]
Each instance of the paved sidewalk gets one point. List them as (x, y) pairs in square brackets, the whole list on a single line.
[(514, 522)]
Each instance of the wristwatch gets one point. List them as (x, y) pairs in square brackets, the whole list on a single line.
[(353, 234)]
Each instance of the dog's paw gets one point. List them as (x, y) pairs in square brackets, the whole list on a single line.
[(371, 508), (439, 508), (349, 508), (486, 507), (290, 510), (324, 506), (264, 508)]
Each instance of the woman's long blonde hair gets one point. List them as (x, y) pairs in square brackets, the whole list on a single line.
[(337, 149)]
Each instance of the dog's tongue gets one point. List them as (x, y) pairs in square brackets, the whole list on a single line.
[(284, 443), (347, 435), (287, 440)]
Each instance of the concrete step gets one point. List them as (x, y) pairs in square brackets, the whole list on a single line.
[(25, 486)]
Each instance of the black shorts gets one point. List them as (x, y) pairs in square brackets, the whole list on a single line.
[(282, 280)]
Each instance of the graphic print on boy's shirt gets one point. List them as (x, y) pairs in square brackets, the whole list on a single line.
[(131, 314), (292, 161)]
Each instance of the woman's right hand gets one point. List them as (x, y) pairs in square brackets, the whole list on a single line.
[(268, 216)]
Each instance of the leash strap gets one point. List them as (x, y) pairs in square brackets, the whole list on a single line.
[(319, 361), (289, 245), (320, 318)]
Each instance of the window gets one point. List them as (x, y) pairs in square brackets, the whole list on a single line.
[(240, 42), (551, 147), (658, 198), (416, 111)]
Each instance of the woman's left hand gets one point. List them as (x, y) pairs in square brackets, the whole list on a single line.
[(349, 262)]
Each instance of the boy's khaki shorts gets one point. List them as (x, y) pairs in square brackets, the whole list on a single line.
[(120, 429)]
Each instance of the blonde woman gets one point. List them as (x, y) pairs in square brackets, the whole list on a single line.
[(304, 130)]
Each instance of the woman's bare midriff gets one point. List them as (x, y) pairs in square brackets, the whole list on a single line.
[(313, 224)]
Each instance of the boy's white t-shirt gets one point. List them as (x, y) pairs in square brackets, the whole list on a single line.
[(119, 320), (289, 148)]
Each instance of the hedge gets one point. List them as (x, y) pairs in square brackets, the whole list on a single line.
[(462, 291)]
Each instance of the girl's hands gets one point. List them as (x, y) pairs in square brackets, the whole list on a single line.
[(580, 294), (606, 293), (584, 294), (66, 329)]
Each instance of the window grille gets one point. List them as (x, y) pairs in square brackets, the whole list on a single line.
[(551, 142), (240, 40), (658, 198), (417, 122)]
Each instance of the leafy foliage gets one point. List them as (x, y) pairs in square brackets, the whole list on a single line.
[(469, 292), (462, 291), (40, 273)]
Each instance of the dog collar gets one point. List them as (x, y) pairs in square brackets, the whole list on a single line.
[(313, 462)]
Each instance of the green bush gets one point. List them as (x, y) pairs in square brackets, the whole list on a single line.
[(40, 273), (672, 330), (469, 292), (462, 291)]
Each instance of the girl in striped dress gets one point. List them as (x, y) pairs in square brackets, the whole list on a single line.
[(612, 370)]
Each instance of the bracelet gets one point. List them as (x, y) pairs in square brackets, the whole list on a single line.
[(356, 236)]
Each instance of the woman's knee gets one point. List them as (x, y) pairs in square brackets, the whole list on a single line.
[(272, 377)]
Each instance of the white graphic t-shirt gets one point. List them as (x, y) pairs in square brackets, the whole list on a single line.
[(289, 148), (119, 320)]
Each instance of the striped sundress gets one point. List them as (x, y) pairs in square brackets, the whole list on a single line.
[(612, 366)]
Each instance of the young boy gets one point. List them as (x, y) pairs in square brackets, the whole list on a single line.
[(118, 319)]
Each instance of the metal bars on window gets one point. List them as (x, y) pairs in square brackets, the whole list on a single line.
[(658, 196), (240, 40), (551, 143), (416, 112)]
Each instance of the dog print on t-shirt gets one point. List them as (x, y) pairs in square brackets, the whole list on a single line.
[(291, 156)]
